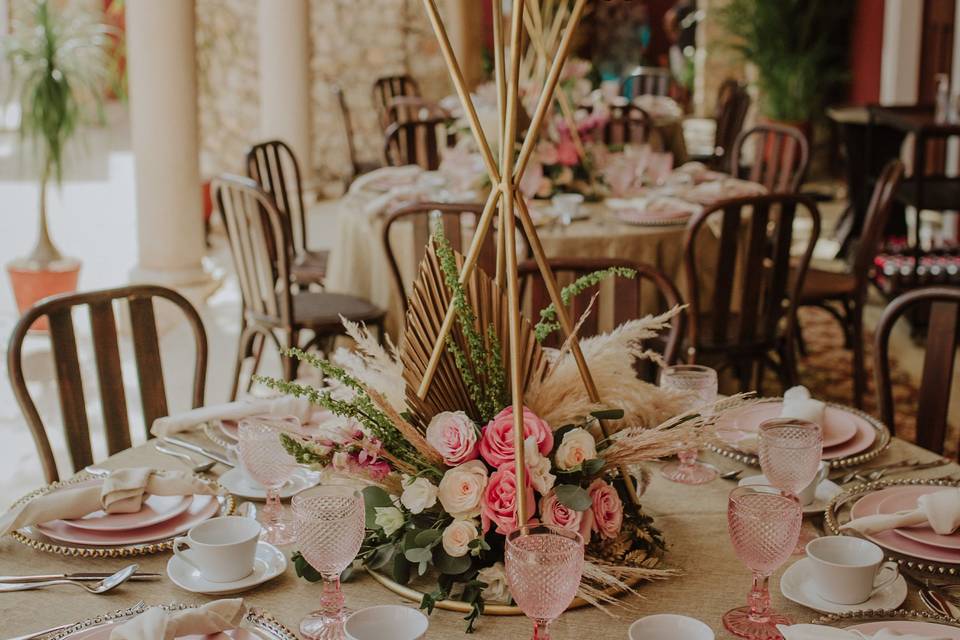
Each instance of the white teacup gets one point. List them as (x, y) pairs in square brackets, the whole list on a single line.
[(221, 549), (849, 570), (809, 493), (392, 621), (667, 626)]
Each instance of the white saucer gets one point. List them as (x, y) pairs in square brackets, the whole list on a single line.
[(269, 563), (239, 485), (797, 585), (826, 491)]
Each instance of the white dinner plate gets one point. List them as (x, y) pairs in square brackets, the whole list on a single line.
[(237, 483)]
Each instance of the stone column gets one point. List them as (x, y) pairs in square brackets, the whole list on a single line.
[(284, 29), (161, 67)]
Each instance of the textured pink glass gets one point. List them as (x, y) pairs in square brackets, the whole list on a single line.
[(764, 524), (543, 568), (330, 527), (700, 384), (264, 458)]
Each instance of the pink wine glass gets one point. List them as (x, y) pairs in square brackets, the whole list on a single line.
[(267, 462), (543, 568), (330, 527), (700, 383), (764, 524), (790, 450)]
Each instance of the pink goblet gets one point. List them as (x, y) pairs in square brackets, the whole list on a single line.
[(265, 459), (700, 383), (330, 527), (543, 568), (790, 450), (764, 523)]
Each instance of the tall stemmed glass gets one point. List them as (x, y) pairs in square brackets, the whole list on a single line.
[(764, 523), (790, 451), (543, 567), (700, 383), (330, 527), (264, 458)]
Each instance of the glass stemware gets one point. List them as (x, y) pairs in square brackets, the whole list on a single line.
[(265, 459), (701, 384), (543, 568), (790, 450), (764, 524), (330, 526)]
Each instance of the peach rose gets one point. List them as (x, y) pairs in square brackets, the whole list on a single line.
[(577, 447), (554, 512), (496, 441), (500, 500), (454, 436), (607, 510), (458, 535), (461, 489)]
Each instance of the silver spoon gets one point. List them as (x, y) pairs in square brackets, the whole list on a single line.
[(107, 584), (203, 467), (732, 475)]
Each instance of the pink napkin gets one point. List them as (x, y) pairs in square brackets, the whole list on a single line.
[(940, 510), (157, 623), (820, 632)]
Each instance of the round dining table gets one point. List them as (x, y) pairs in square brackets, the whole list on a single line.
[(693, 520)]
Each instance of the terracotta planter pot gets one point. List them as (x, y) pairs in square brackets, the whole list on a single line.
[(31, 285)]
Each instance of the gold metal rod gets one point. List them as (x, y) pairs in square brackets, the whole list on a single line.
[(500, 77)]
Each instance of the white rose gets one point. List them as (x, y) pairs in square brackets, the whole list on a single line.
[(418, 494), (577, 447), (340, 459), (461, 489), (457, 537), (390, 519), (496, 581), (538, 467)]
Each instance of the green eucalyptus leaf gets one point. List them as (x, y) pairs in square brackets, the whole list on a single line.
[(422, 568), (409, 540), (450, 565), (573, 496), (382, 557), (401, 569), (374, 497), (428, 538), (418, 555), (593, 467), (608, 414), (304, 569)]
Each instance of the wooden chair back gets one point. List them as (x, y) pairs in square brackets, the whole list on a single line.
[(404, 108), (274, 167), (58, 311), (260, 245), (626, 294), (780, 158), (347, 129), (733, 103), (628, 124), (644, 81), (751, 284), (878, 212), (386, 89), (417, 142)]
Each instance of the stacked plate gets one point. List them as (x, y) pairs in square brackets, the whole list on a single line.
[(899, 622)]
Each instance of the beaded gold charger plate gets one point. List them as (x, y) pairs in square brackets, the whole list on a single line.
[(856, 618), (33, 538)]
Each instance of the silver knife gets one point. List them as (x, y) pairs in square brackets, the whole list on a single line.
[(207, 453), (82, 576)]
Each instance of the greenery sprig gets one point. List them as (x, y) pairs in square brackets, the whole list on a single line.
[(548, 315)]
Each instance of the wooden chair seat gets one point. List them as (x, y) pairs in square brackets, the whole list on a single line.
[(310, 266), (826, 283), (320, 310)]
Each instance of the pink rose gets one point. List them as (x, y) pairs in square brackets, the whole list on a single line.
[(496, 441), (555, 513), (607, 510), (567, 152), (500, 500), (546, 152), (530, 182), (454, 436)]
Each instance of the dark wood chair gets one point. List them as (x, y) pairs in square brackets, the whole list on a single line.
[(458, 221), (628, 124), (751, 315), (101, 306), (841, 288), (943, 337), (417, 142), (404, 108), (262, 256), (357, 166), (644, 81), (386, 89), (733, 103), (780, 158), (274, 167)]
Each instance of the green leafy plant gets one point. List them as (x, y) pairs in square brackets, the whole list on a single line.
[(798, 48), (548, 316), (60, 70)]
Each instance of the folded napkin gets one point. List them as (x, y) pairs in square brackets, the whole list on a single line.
[(819, 632), (300, 408), (797, 403), (157, 623), (710, 192), (940, 510), (123, 491)]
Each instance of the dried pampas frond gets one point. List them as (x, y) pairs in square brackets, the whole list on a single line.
[(376, 366), (561, 398), (604, 583)]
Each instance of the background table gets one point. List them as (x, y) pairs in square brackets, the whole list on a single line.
[(693, 520)]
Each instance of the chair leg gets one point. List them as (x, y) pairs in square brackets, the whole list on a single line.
[(258, 346), (243, 344), (859, 367)]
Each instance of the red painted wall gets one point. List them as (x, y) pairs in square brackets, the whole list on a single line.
[(866, 46)]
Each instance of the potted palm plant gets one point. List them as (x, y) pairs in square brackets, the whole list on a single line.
[(59, 69)]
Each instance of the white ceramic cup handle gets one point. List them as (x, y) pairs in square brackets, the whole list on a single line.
[(893, 568), (180, 554)]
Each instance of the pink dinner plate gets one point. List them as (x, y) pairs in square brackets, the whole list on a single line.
[(844, 433), (909, 627), (201, 508), (156, 509), (906, 500), (103, 633), (870, 505)]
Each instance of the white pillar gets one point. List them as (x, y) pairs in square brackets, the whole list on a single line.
[(161, 67), (284, 29), (900, 57)]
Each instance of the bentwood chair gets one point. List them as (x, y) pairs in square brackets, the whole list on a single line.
[(943, 337), (780, 157), (262, 253), (628, 124), (386, 89), (357, 166), (733, 103), (274, 167), (626, 296), (841, 289), (404, 108), (750, 316), (458, 221), (643, 81), (417, 142), (102, 306)]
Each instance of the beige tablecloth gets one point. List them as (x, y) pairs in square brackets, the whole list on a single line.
[(693, 520)]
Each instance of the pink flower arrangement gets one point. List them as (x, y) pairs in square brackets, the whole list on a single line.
[(496, 441), (454, 436), (500, 500), (605, 516), (554, 512)]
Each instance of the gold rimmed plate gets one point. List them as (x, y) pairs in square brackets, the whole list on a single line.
[(900, 621)]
